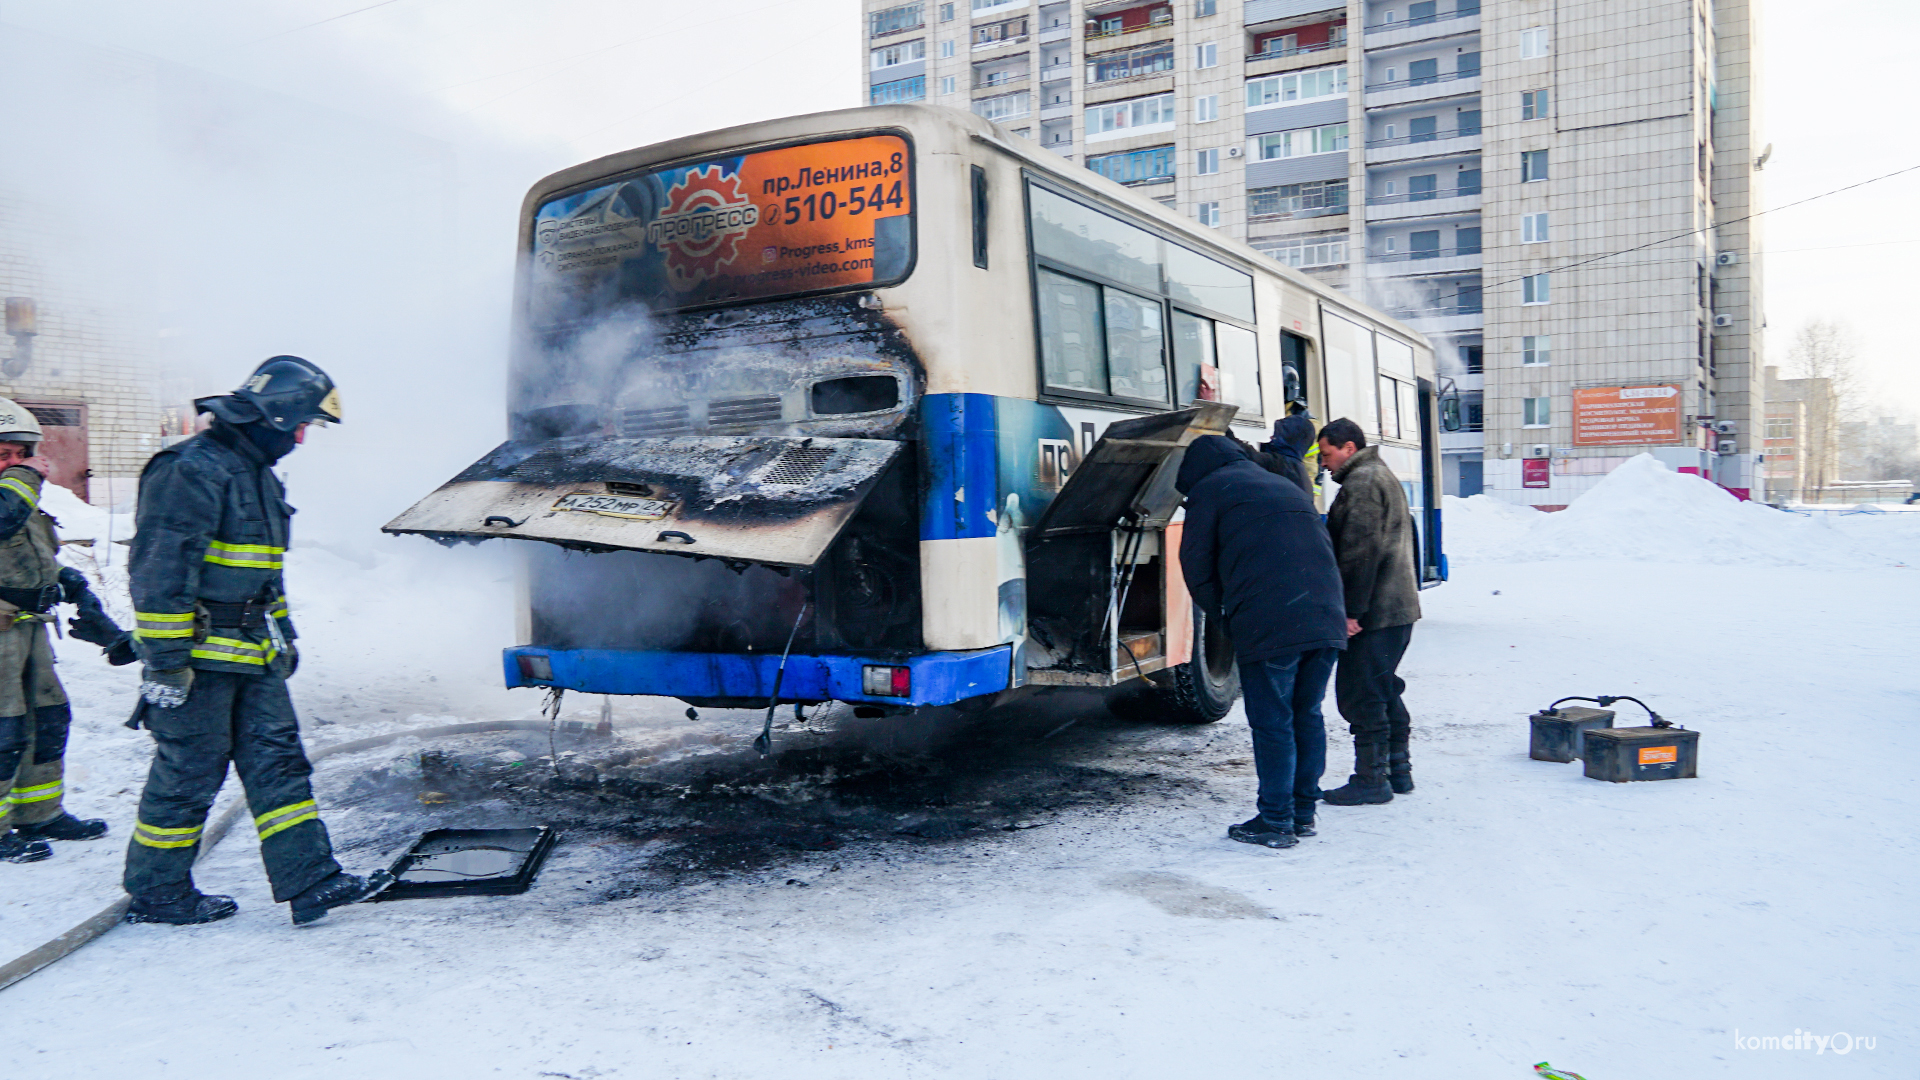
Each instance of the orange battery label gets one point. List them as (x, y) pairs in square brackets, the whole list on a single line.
[(1659, 755)]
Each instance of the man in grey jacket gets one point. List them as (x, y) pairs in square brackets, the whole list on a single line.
[(1373, 539)]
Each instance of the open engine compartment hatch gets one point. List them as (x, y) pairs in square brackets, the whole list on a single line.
[(775, 500), (1130, 471), (1102, 545)]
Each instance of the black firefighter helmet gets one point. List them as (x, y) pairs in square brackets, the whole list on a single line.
[(283, 393)]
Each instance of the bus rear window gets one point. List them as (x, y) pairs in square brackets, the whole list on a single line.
[(818, 217)]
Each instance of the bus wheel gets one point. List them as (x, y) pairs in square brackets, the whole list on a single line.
[(1204, 688)]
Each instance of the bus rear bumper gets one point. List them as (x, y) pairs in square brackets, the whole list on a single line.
[(940, 678)]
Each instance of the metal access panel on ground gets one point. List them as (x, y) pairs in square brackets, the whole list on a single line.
[(762, 499)]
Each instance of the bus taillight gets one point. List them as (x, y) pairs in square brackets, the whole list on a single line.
[(878, 680)]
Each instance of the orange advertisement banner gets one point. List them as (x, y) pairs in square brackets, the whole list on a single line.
[(1627, 415), (798, 219)]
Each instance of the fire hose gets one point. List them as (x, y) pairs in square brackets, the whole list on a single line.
[(110, 916)]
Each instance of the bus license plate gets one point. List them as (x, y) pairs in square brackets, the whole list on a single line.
[(620, 506)]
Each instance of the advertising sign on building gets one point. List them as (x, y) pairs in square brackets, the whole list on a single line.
[(1534, 473), (1627, 415)]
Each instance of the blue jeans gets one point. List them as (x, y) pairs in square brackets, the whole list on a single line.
[(1289, 735)]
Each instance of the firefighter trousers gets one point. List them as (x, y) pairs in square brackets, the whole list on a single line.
[(247, 720), (34, 721)]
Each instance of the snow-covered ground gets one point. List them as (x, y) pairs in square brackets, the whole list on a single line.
[(1507, 912)]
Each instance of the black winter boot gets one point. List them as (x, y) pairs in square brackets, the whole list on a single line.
[(1304, 828), (337, 891), (1256, 830), (15, 848), (191, 909), (65, 827), (1399, 768), (1368, 785)]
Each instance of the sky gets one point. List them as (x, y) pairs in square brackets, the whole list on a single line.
[(531, 87)]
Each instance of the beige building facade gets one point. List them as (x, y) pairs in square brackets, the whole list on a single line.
[(1552, 192)]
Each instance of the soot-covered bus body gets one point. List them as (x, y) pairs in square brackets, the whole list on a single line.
[(892, 394)]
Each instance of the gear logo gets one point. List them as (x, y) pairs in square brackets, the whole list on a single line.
[(701, 226)]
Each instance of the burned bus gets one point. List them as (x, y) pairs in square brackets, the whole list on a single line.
[(884, 406)]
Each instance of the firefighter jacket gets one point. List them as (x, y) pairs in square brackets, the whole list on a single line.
[(28, 545), (209, 545)]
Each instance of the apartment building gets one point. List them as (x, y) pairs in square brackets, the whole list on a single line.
[(1550, 191)]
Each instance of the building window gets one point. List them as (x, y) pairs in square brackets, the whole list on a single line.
[(949, 84), (1153, 165), (1534, 43), (991, 5), (895, 19), (1533, 104), (1312, 199), (1307, 250), (1207, 213), (1204, 8), (946, 49), (1206, 162), (1112, 25), (1473, 359), (1536, 349), (1130, 63), (1466, 240), (946, 12), (1206, 108), (1296, 86), (1779, 428), (1533, 289), (1536, 412), (1533, 228), (1330, 139), (1207, 55), (1122, 117), (996, 33), (899, 91), (1533, 165), (1004, 107), (904, 53)]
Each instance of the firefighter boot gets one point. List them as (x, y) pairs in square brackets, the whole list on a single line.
[(15, 848), (337, 891), (1399, 767), (65, 827), (1368, 785), (188, 909)]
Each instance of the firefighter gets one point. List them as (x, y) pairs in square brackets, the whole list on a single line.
[(34, 714), (212, 629)]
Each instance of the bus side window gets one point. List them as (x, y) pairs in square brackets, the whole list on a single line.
[(1072, 346), (979, 217)]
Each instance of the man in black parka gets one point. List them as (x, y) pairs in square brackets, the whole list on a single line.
[(1255, 553)]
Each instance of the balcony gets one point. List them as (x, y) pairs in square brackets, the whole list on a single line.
[(1130, 35), (1055, 72), (1418, 204), (1282, 52), (999, 80), (1427, 144), (1401, 91), (1051, 111), (1296, 215), (1451, 24), (1432, 261), (1055, 33), (896, 20), (1442, 318)]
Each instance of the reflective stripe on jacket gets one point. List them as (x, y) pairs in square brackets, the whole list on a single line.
[(212, 525)]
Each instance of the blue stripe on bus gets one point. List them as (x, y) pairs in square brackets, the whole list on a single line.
[(961, 464), (938, 678)]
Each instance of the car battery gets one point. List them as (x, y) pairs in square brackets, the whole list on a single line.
[(1557, 732), (1641, 753)]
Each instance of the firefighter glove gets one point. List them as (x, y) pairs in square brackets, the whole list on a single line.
[(121, 653), (167, 689), (91, 623), (74, 585)]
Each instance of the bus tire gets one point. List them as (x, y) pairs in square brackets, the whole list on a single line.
[(1203, 689)]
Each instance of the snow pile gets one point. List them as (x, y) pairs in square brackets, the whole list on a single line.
[(80, 520), (1644, 511)]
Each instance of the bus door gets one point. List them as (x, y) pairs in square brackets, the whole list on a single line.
[(1433, 561), (1100, 569)]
